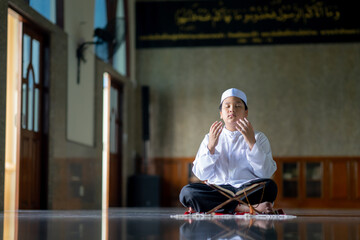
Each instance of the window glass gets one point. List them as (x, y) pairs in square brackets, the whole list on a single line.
[(313, 180), (290, 180), (113, 120), (47, 8), (36, 59), (30, 101), (119, 62), (119, 58), (26, 54), (100, 19), (100, 14), (117, 51), (23, 110)]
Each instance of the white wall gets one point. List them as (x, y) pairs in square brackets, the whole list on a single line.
[(79, 26)]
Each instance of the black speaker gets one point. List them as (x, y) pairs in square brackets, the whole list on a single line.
[(145, 102), (144, 191)]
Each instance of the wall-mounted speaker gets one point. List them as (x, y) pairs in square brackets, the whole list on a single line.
[(145, 103), (144, 191)]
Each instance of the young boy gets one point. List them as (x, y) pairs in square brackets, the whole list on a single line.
[(233, 157)]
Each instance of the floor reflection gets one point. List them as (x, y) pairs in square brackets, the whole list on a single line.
[(228, 229), (145, 223)]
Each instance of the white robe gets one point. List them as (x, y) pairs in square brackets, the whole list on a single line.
[(233, 162)]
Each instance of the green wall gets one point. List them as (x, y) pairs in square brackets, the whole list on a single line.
[(304, 97)]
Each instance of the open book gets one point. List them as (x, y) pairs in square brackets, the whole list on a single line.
[(246, 190), (243, 192)]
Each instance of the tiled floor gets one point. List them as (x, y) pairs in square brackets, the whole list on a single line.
[(155, 223)]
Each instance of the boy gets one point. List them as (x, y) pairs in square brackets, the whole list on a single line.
[(234, 156)]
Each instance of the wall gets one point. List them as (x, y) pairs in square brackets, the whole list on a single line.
[(74, 165), (75, 160), (304, 97), (79, 25), (74, 170)]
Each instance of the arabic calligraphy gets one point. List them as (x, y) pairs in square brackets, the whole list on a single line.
[(215, 23), (184, 36), (253, 36), (256, 14)]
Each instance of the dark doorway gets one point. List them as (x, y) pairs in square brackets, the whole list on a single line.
[(116, 135)]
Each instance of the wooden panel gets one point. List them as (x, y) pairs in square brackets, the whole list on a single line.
[(115, 181), (357, 179), (339, 181), (77, 183), (169, 182), (340, 231), (25, 184), (174, 174), (30, 172), (339, 175)]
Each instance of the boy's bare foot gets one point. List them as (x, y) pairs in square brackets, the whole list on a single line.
[(190, 210), (242, 208), (265, 207)]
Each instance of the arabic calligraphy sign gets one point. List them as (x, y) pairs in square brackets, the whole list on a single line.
[(245, 22)]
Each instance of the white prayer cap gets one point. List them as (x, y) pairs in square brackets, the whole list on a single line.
[(233, 92)]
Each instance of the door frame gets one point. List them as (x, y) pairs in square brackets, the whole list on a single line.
[(14, 197)]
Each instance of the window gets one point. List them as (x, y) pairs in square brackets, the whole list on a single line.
[(100, 21), (111, 16), (120, 56), (47, 8), (31, 83)]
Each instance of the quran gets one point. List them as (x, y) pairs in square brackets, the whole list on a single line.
[(237, 196), (240, 192)]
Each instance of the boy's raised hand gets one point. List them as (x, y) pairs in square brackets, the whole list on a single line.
[(214, 134), (247, 130)]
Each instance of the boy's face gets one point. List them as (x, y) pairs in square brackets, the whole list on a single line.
[(233, 109)]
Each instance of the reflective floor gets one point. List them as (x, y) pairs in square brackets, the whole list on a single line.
[(151, 223)]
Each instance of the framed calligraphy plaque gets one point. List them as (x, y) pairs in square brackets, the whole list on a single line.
[(245, 22)]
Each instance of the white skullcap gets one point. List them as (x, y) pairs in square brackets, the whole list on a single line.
[(233, 92)]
